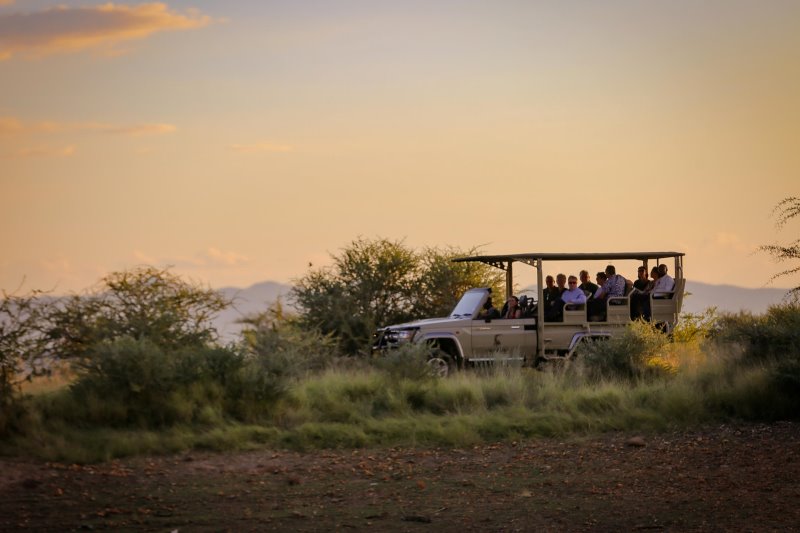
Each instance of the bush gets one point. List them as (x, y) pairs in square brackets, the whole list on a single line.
[(135, 382), (283, 347), (773, 335), (407, 362), (638, 353)]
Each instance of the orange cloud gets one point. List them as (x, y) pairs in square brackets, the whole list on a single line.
[(260, 147), (66, 29), (11, 126), (6, 2), (40, 151), (210, 258)]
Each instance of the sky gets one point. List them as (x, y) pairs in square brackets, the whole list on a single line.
[(240, 141)]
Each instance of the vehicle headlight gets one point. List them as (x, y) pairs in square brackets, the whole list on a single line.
[(405, 335)]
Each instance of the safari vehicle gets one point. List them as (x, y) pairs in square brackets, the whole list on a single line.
[(466, 339)]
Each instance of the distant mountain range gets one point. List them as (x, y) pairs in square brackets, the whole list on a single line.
[(726, 298)]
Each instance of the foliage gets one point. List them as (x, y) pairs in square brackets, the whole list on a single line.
[(696, 326), (378, 282), (21, 346), (639, 352), (128, 382), (787, 209), (773, 335), (442, 282), (144, 302), (410, 361), (282, 346)]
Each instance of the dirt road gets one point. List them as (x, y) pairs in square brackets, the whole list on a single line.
[(720, 478)]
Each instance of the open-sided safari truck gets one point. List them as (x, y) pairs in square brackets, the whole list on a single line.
[(465, 338)]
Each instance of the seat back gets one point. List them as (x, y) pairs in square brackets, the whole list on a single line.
[(618, 309)]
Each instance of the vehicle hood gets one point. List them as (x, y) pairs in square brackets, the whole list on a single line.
[(426, 323)]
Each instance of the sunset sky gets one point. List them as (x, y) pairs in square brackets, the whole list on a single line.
[(240, 141)]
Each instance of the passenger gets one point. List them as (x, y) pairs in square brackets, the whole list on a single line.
[(512, 308), (614, 286), (561, 281), (586, 285), (641, 300), (571, 296), (489, 311), (641, 283), (551, 292), (600, 278), (664, 285)]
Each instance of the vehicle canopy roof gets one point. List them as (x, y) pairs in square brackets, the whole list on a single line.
[(589, 256)]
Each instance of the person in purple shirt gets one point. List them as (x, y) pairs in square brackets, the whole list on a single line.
[(614, 285)]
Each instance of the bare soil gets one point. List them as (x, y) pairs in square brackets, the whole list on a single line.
[(723, 478)]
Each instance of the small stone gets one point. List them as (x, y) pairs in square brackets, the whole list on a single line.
[(637, 442)]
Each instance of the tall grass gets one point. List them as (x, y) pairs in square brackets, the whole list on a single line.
[(639, 381)]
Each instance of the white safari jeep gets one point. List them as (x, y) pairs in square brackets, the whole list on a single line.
[(465, 338)]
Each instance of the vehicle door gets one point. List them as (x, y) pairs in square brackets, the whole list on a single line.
[(505, 337)]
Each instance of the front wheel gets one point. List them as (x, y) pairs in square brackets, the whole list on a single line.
[(441, 364)]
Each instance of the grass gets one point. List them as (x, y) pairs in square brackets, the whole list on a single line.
[(655, 386)]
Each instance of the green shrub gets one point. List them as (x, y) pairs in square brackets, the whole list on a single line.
[(639, 352), (696, 326), (410, 361), (775, 334), (136, 382)]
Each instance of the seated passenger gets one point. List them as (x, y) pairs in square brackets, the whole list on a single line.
[(664, 285), (571, 296), (551, 292), (489, 311), (641, 282), (640, 299), (614, 285), (600, 278), (512, 308), (586, 285), (561, 282)]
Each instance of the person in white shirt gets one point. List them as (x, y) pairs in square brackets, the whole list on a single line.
[(664, 284)]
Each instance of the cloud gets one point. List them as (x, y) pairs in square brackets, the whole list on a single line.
[(139, 129), (732, 241), (72, 29), (40, 151), (211, 257), (14, 127), (219, 258), (6, 2), (260, 147)]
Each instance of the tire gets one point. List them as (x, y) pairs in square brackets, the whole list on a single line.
[(440, 363)]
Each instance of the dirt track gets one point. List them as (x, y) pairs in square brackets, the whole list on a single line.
[(724, 478)]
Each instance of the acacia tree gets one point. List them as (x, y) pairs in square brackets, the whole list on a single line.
[(21, 344), (144, 302), (377, 282), (787, 209), (371, 282), (442, 282)]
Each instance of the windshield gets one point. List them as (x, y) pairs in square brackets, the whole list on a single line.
[(468, 304)]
